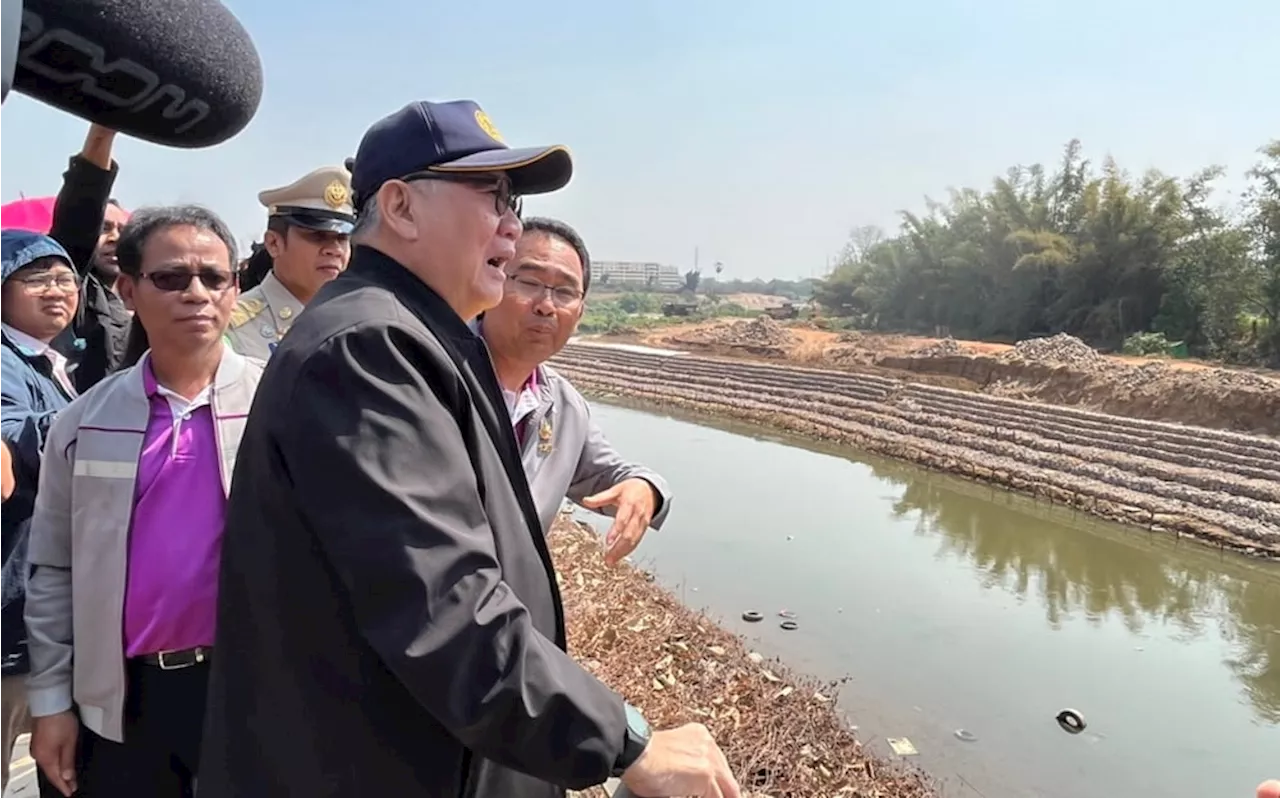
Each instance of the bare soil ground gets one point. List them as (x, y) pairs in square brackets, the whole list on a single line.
[(779, 731), (1059, 370), (1218, 486)]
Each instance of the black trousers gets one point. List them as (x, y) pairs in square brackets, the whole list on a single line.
[(160, 755)]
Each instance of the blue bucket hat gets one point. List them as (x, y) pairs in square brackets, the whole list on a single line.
[(453, 137), (21, 248)]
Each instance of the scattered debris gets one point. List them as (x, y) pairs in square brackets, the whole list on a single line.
[(786, 614), (902, 746), (1072, 722), (762, 717)]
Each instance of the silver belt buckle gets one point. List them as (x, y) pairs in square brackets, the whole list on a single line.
[(165, 666)]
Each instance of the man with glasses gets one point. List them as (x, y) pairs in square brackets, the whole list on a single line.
[(308, 234), (127, 532), (387, 589), (41, 292), (563, 451)]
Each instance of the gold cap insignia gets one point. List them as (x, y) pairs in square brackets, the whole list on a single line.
[(336, 194), (486, 124)]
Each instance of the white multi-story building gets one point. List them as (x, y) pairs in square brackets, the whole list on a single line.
[(655, 276)]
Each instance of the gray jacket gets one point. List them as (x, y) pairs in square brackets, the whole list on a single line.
[(80, 538), (566, 455)]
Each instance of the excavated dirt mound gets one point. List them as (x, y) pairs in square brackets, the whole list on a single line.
[(1059, 369), (759, 336), (1210, 484), (943, 348), (1217, 398), (1060, 348), (778, 731)]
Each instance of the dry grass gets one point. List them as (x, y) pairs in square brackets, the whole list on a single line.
[(779, 731)]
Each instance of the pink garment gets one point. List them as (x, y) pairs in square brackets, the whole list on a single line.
[(175, 538)]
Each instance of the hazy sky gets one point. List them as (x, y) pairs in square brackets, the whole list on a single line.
[(758, 132)]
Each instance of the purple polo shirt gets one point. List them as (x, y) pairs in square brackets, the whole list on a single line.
[(175, 538)]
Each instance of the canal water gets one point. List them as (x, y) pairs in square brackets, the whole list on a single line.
[(950, 605)]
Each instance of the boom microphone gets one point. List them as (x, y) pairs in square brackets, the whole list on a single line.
[(178, 72), (12, 23)]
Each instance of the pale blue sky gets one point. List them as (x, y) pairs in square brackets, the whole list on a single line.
[(758, 132)]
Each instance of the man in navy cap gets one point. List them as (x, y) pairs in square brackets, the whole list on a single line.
[(387, 602)]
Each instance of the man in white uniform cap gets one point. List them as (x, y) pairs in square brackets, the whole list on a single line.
[(308, 234)]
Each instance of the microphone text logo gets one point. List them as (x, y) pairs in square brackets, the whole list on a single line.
[(68, 58)]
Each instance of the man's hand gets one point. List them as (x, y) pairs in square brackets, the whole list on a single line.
[(683, 761), (53, 747), (7, 480), (634, 501)]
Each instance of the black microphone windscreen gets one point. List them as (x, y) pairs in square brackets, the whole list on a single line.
[(178, 72)]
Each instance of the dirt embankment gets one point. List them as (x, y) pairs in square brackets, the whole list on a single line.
[(780, 732), (1215, 485), (1058, 370)]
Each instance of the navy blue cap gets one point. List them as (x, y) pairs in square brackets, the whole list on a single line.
[(455, 137), (21, 248)]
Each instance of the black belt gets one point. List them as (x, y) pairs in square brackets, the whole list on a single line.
[(177, 660)]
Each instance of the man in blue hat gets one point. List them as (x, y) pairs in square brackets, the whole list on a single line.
[(388, 603), (40, 294)]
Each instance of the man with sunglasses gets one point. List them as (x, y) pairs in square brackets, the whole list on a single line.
[(308, 234), (563, 451), (386, 586), (127, 532)]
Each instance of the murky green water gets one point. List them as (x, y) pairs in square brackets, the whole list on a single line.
[(952, 605)]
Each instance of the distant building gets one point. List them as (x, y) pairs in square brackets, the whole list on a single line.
[(631, 274)]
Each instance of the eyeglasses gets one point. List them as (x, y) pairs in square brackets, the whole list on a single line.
[(534, 290), (504, 199), (180, 279), (44, 283)]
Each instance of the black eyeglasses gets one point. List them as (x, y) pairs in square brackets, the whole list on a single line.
[(562, 296), (180, 279), (504, 199)]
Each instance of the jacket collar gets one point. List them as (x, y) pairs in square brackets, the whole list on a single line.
[(381, 269), (230, 369)]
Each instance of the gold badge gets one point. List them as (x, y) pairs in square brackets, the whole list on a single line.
[(486, 124), (286, 312), (544, 437), (336, 194)]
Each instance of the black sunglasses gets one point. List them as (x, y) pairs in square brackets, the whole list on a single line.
[(180, 279), (504, 198)]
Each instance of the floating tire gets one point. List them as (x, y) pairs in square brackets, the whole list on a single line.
[(786, 614), (1072, 722), (790, 626), (966, 736), (751, 616)]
